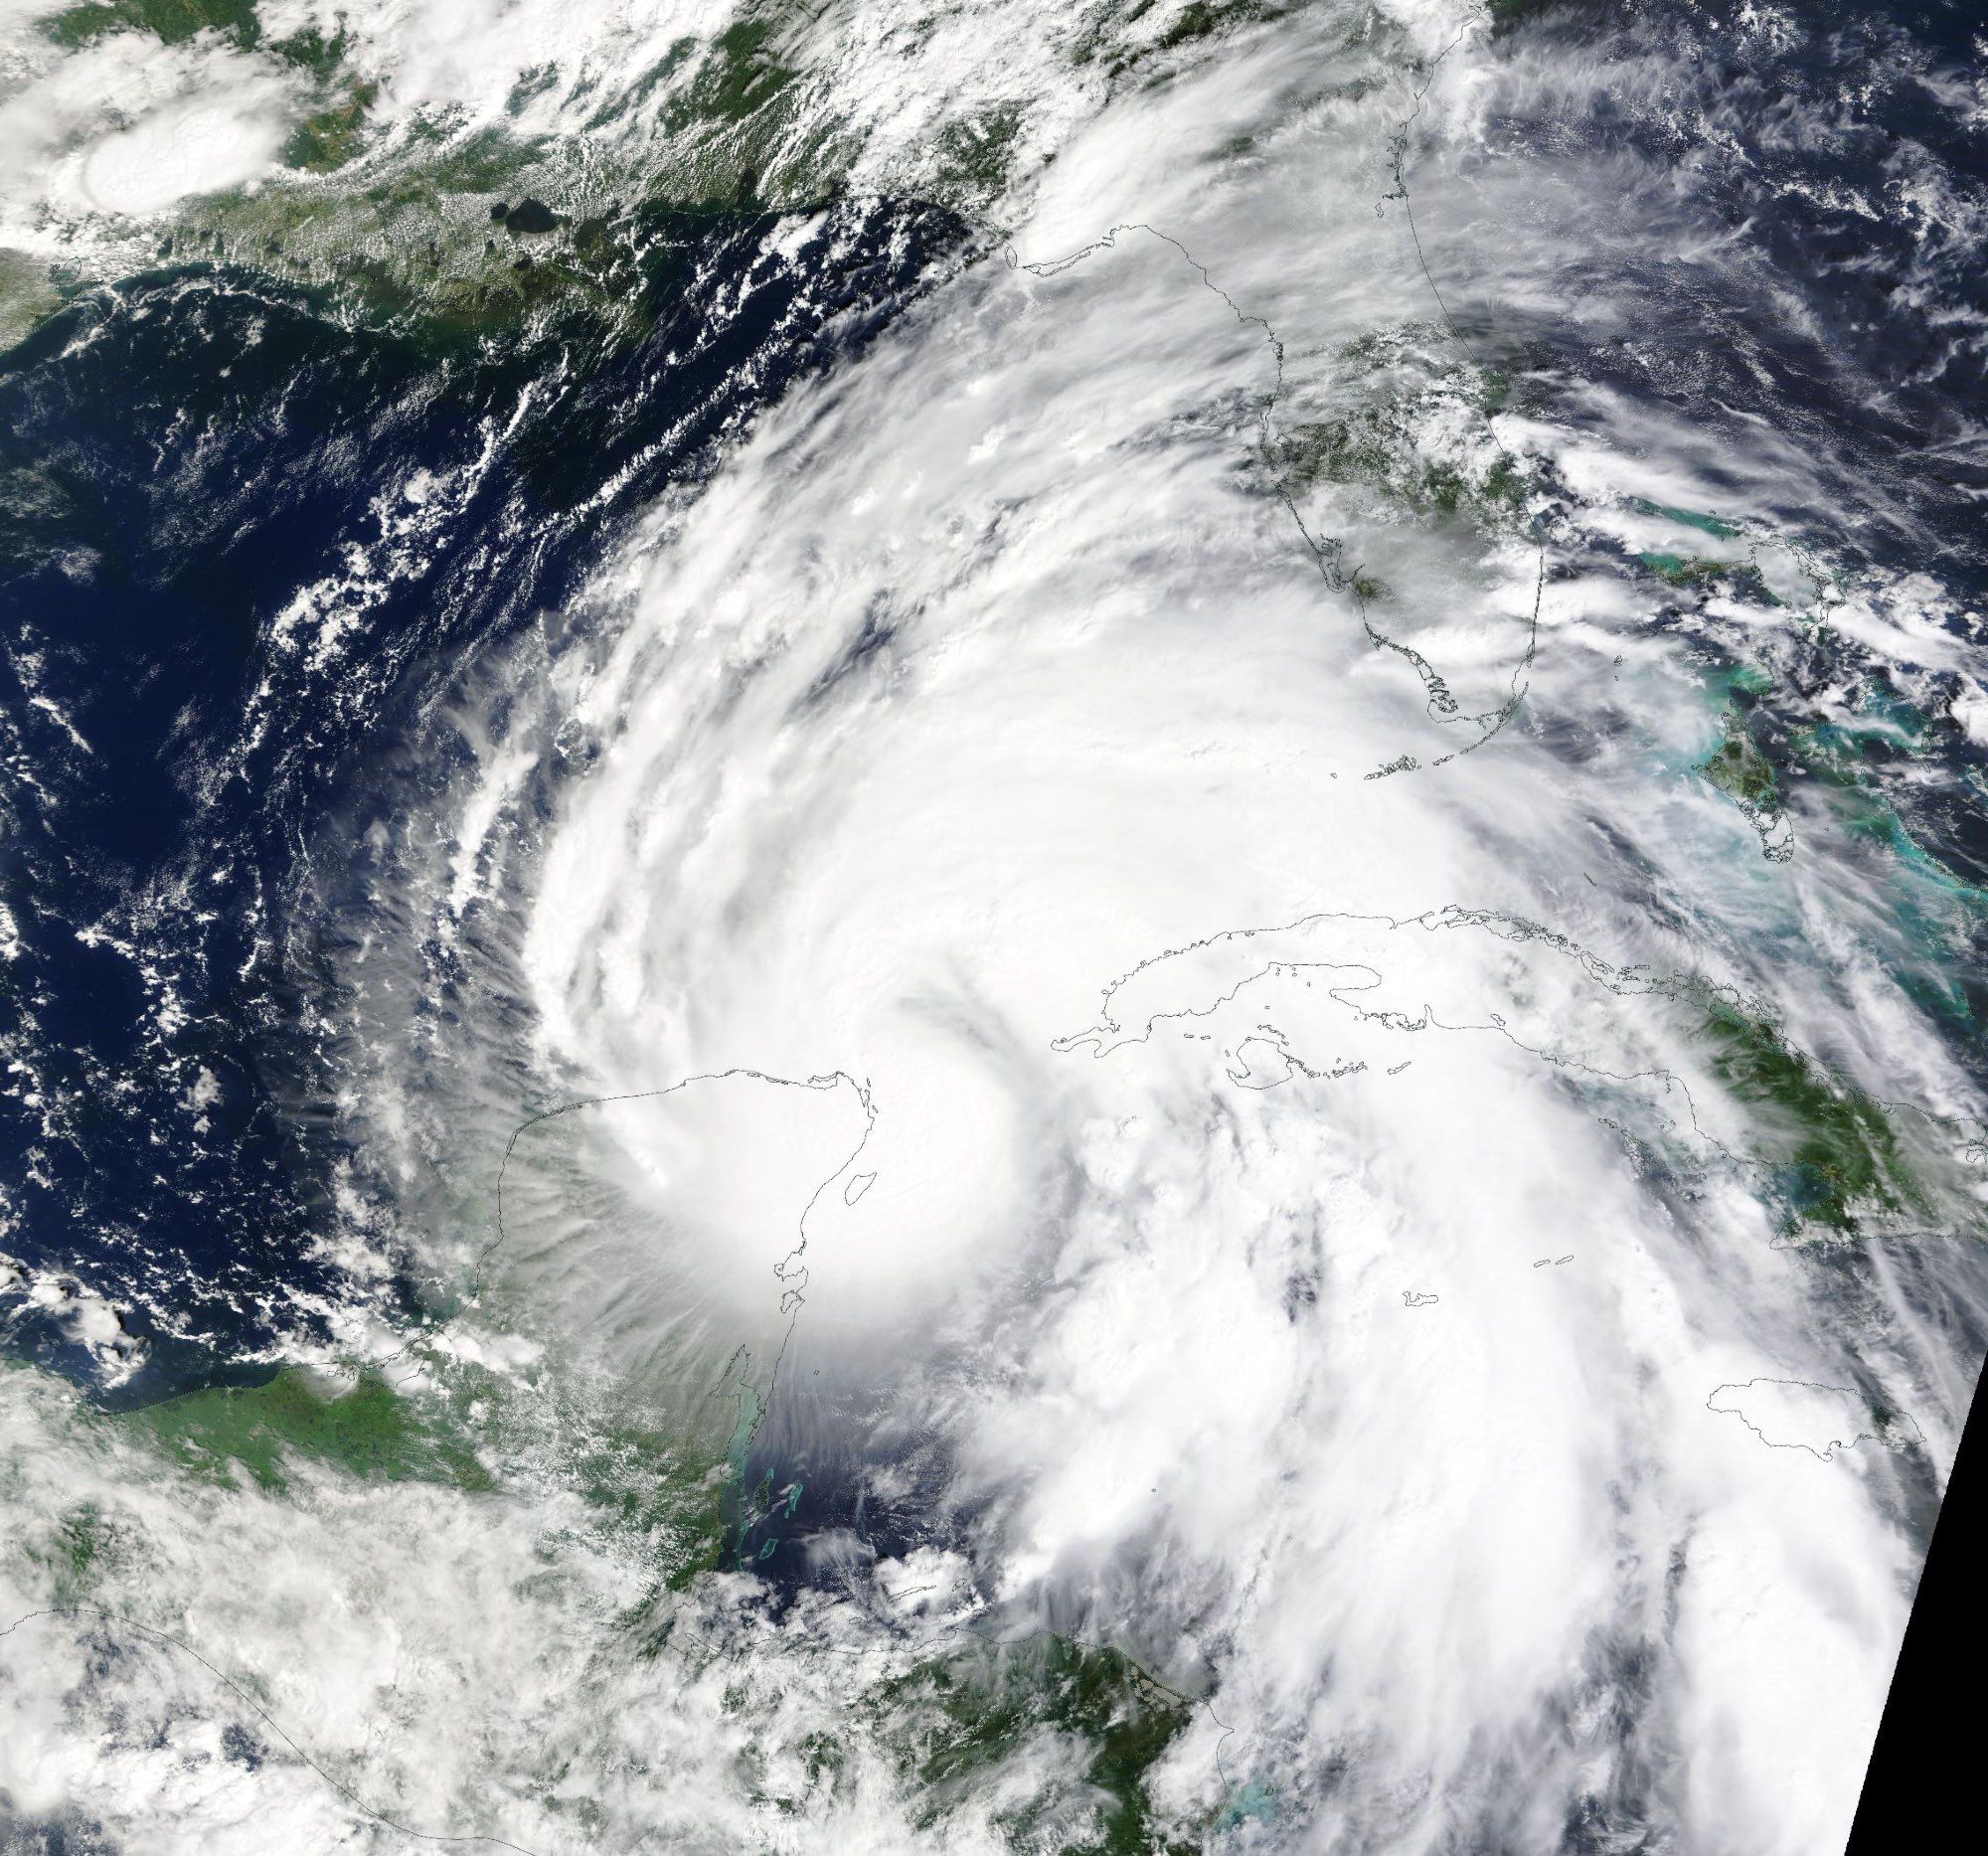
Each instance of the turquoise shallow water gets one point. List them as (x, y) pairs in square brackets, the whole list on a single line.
[(1339, 729)]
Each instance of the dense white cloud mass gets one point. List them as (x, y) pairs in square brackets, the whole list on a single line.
[(1147, 1025), (126, 127)]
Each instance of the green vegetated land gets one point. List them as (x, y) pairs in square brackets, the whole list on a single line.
[(1840, 1155), (334, 134), (395, 219), (1398, 390), (169, 20), (28, 295), (1835, 1154), (73, 1555), (410, 223), (670, 1489), (410, 238), (172, 21), (1200, 19), (263, 1432), (657, 1494), (1739, 767), (665, 1495), (960, 1717), (1123, 54), (1379, 450), (1740, 578), (1862, 774)]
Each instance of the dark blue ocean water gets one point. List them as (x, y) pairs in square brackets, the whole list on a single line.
[(1768, 230), (1811, 254), (178, 457), (181, 455)]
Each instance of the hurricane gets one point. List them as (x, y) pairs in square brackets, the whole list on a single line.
[(983, 928)]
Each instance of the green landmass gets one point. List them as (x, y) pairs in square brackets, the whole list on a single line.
[(656, 1492), (372, 1432), (1399, 384), (1377, 449), (1740, 577), (407, 234), (27, 297), (1939, 910), (1835, 1152), (1201, 20), (976, 155), (960, 1717), (171, 21), (330, 137), (1738, 768), (1679, 571), (740, 77), (74, 1553)]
